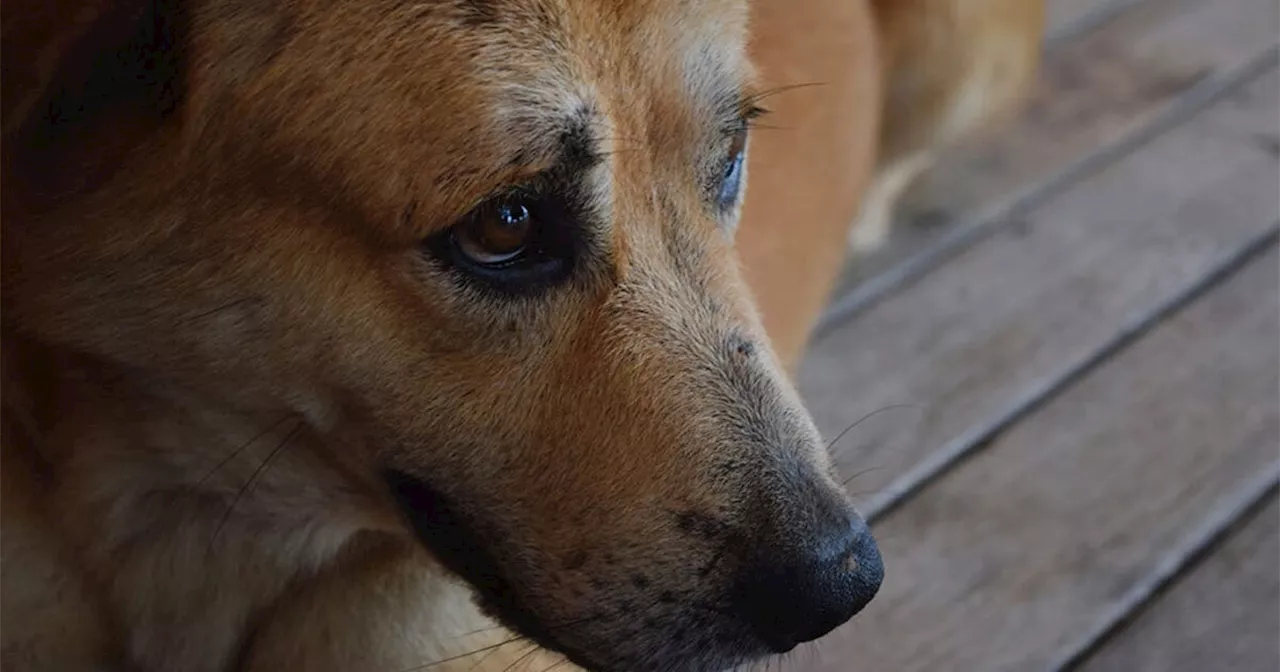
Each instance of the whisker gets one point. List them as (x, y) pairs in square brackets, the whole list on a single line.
[(533, 648), (563, 661), (556, 626), (483, 658), (226, 460), (480, 630), (490, 649), (754, 98), (468, 654), (769, 127), (251, 480), (872, 414), (856, 474)]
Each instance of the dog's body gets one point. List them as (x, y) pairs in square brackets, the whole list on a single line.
[(320, 318), (955, 68)]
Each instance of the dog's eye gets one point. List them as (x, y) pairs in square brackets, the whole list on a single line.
[(497, 232), (731, 180), (515, 243)]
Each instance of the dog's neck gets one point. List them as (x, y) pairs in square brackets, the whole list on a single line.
[(146, 473), (128, 431)]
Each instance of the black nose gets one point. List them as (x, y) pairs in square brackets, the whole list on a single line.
[(807, 592)]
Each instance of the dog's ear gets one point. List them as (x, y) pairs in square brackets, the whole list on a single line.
[(84, 82), (35, 38)]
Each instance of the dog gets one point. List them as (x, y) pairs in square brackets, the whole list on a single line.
[(375, 336), (954, 69)]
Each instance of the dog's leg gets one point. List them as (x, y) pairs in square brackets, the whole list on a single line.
[(879, 205), (952, 68)]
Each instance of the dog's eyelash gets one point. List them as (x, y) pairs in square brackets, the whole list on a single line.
[(750, 110), (748, 114)]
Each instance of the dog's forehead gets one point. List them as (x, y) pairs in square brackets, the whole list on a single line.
[(661, 72), (444, 102), (623, 50), (626, 18)]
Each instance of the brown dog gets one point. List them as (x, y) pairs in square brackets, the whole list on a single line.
[(954, 68), (871, 92), (312, 308)]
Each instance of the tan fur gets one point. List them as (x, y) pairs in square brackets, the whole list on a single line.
[(810, 164), (221, 330), (953, 69)]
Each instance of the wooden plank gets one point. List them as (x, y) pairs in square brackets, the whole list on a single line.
[(1174, 564), (965, 233), (1061, 14), (1224, 616), (1066, 20), (971, 338), (1093, 91), (1000, 565), (1095, 88)]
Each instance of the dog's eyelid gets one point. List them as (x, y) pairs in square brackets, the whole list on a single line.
[(549, 247), (534, 187), (743, 121)]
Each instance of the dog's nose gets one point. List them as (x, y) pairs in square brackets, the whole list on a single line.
[(811, 590)]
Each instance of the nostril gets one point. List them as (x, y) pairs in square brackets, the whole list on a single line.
[(788, 603)]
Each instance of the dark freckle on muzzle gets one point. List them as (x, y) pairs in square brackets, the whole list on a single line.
[(743, 347), (795, 579), (700, 525)]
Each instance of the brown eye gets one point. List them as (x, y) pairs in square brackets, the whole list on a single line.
[(497, 233), (516, 244)]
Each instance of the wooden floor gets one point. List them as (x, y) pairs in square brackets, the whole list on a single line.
[(1066, 367)]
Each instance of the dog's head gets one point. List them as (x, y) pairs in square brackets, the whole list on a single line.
[(489, 244)]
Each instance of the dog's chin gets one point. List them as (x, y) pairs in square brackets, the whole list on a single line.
[(451, 537)]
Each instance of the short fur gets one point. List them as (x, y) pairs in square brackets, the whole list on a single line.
[(953, 69), (251, 422)]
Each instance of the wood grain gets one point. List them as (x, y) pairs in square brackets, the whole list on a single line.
[(973, 336), (1002, 563), (1224, 616), (1061, 14), (1092, 90)]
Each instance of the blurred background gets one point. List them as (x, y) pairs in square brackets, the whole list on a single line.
[(1055, 390)]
